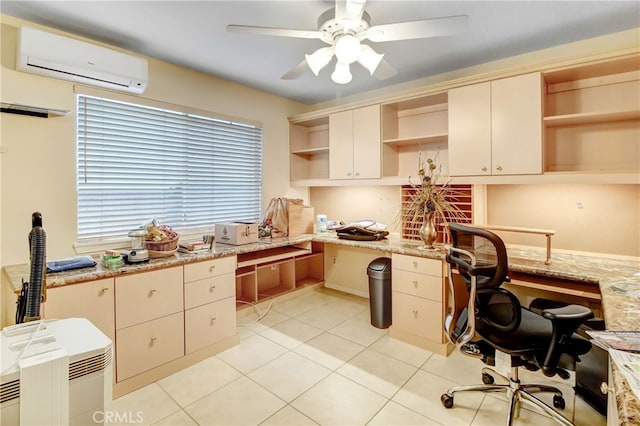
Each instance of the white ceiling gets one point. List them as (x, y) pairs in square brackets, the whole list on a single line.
[(192, 34)]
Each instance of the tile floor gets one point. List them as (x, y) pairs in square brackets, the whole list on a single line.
[(315, 359)]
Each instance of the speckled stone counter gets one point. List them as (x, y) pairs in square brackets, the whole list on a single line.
[(617, 278)]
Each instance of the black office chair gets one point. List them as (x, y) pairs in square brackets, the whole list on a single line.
[(483, 317)]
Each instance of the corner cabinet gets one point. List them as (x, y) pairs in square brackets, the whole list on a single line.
[(592, 118), (354, 144), (495, 127)]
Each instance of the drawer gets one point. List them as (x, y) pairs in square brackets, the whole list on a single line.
[(420, 285), (201, 292), (209, 324), (209, 268), (148, 345), (418, 316), (149, 295), (417, 264)]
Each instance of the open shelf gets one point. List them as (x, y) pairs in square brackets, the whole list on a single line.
[(591, 118), (309, 149), (269, 255)]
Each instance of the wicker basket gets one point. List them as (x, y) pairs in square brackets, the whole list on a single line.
[(165, 245)]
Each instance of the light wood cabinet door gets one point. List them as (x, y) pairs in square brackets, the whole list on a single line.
[(209, 268), (418, 316), (341, 145), (516, 125), (420, 265), (355, 150), (495, 128), (148, 345), (470, 130), (421, 285), (201, 292), (93, 300), (149, 295), (209, 324)]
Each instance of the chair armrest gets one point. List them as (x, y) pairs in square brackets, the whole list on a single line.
[(577, 313)]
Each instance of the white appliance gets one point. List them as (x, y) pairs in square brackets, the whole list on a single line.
[(51, 55), (88, 354)]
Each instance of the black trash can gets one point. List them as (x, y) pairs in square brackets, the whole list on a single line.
[(379, 272)]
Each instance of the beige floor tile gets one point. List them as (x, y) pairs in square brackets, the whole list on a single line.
[(329, 350), (378, 372), (288, 416), (271, 318), (179, 418), (393, 414), (242, 402), (145, 406), (289, 375), (359, 331), (251, 353), (337, 400), (295, 306), (493, 411), (291, 333), (422, 394), (459, 368), (322, 317), (402, 351), (195, 382)]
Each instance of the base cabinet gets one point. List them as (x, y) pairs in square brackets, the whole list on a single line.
[(417, 301)]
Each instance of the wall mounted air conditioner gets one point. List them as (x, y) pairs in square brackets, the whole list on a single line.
[(60, 57)]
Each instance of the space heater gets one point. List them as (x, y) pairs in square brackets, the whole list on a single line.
[(55, 372)]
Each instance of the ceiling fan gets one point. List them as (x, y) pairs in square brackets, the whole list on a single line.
[(344, 28)]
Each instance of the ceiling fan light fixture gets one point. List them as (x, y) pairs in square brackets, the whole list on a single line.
[(341, 74), (369, 58), (348, 49), (319, 59)]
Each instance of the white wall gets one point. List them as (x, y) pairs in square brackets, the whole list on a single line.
[(37, 171)]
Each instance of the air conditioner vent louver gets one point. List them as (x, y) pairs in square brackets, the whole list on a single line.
[(65, 58), (77, 369)]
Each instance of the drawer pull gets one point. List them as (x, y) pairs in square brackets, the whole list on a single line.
[(213, 287), (415, 313), (153, 340), (212, 268), (605, 388), (415, 283), (415, 264), (104, 289), (212, 319), (152, 292)]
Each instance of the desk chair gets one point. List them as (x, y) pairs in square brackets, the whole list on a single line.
[(480, 309)]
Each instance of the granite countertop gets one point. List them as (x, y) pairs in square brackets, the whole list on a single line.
[(618, 279)]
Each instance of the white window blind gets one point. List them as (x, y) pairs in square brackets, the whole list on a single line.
[(136, 162)]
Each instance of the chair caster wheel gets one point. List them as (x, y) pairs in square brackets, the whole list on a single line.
[(487, 379), (558, 402), (447, 400)]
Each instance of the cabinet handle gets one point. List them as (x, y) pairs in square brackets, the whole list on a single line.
[(415, 264), (152, 292), (605, 388), (484, 168), (213, 287), (499, 168), (212, 268), (104, 289), (153, 340), (212, 319), (357, 173), (415, 283), (415, 313)]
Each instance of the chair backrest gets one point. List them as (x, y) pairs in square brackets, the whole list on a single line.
[(480, 260)]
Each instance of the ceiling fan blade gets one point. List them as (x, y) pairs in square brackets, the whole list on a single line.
[(349, 9), (384, 71), (436, 27), (281, 32), (296, 71)]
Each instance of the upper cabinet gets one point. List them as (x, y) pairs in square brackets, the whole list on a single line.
[(592, 119), (354, 144), (412, 127), (309, 149), (495, 128)]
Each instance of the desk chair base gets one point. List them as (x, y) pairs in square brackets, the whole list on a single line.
[(516, 393)]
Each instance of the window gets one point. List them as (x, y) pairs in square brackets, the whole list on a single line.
[(137, 162)]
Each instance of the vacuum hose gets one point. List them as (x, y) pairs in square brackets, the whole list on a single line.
[(38, 248)]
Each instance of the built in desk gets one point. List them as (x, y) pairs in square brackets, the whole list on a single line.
[(590, 276)]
